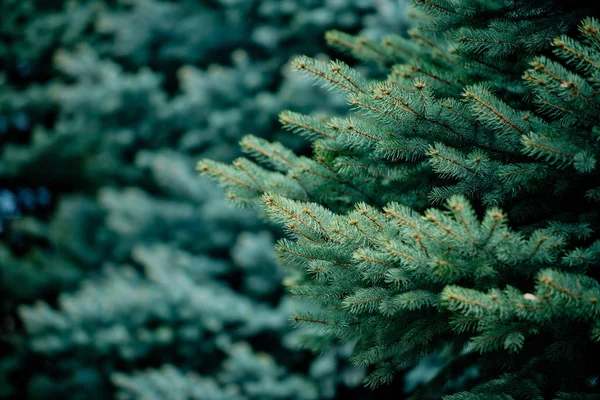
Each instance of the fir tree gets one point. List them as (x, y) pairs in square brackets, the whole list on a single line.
[(120, 273), (455, 211)]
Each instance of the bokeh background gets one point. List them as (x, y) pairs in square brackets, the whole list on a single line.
[(122, 273)]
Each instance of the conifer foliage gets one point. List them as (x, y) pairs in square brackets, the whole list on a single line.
[(121, 274), (455, 211)]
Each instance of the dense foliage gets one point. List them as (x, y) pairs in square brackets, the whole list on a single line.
[(455, 211), (121, 273)]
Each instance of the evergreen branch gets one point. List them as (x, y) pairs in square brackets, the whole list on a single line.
[(432, 75), (389, 42), (389, 210), (445, 228), (286, 250), (589, 28), (274, 202), (436, 153), (371, 218), (393, 251), (438, 50), (561, 43), (273, 153), (339, 38), (317, 70), (242, 167), (358, 46), (348, 74), (471, 95), (202, 166), (405, 106), (364, 257), (434, 5), (546, 280), (295, 121), (298, 319)]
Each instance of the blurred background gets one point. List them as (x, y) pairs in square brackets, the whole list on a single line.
[(122, 273)]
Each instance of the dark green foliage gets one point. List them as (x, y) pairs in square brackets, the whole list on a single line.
[(132, 278), (455, 211)]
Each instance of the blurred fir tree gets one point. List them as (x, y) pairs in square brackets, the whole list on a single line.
[(454, 214), (121, 273)]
